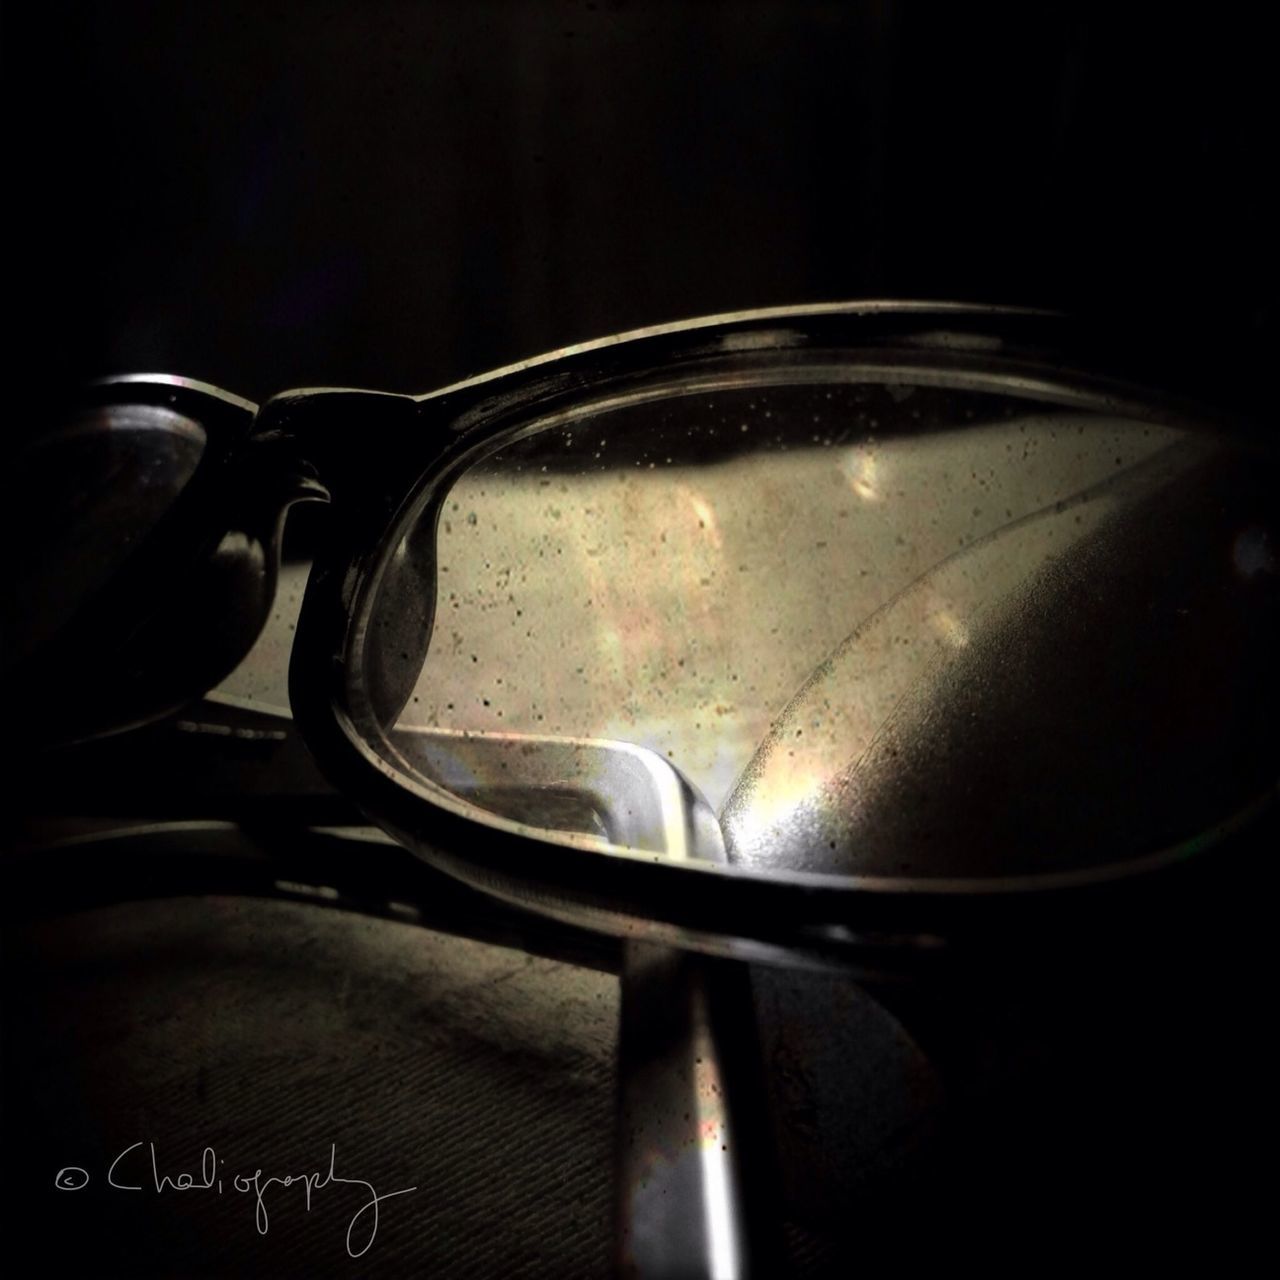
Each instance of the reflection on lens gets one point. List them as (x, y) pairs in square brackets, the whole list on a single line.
[(874, 642), (93, 490), (1096, 695)]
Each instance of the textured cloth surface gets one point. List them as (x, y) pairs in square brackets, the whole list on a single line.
[(1111, 1117), (272, 1032)]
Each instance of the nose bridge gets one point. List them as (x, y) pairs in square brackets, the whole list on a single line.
[(365, 452), (354, 446)]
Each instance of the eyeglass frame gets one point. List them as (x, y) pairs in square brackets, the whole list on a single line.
[(298, 445)]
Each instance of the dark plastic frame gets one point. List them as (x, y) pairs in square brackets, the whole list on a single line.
[(163, 633), (386, 458)]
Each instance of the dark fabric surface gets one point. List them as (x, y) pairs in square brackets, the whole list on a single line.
[(1107, 1115), (269, 1031)]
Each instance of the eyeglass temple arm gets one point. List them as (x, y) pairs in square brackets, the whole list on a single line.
[(694, 1162), (695, 1168)]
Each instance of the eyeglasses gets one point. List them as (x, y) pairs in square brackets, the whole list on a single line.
[(837, 635), (793, 631)]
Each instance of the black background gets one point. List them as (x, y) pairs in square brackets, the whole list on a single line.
[(395, 194)]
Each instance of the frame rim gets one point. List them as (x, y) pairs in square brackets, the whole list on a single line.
[(715, 908)]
